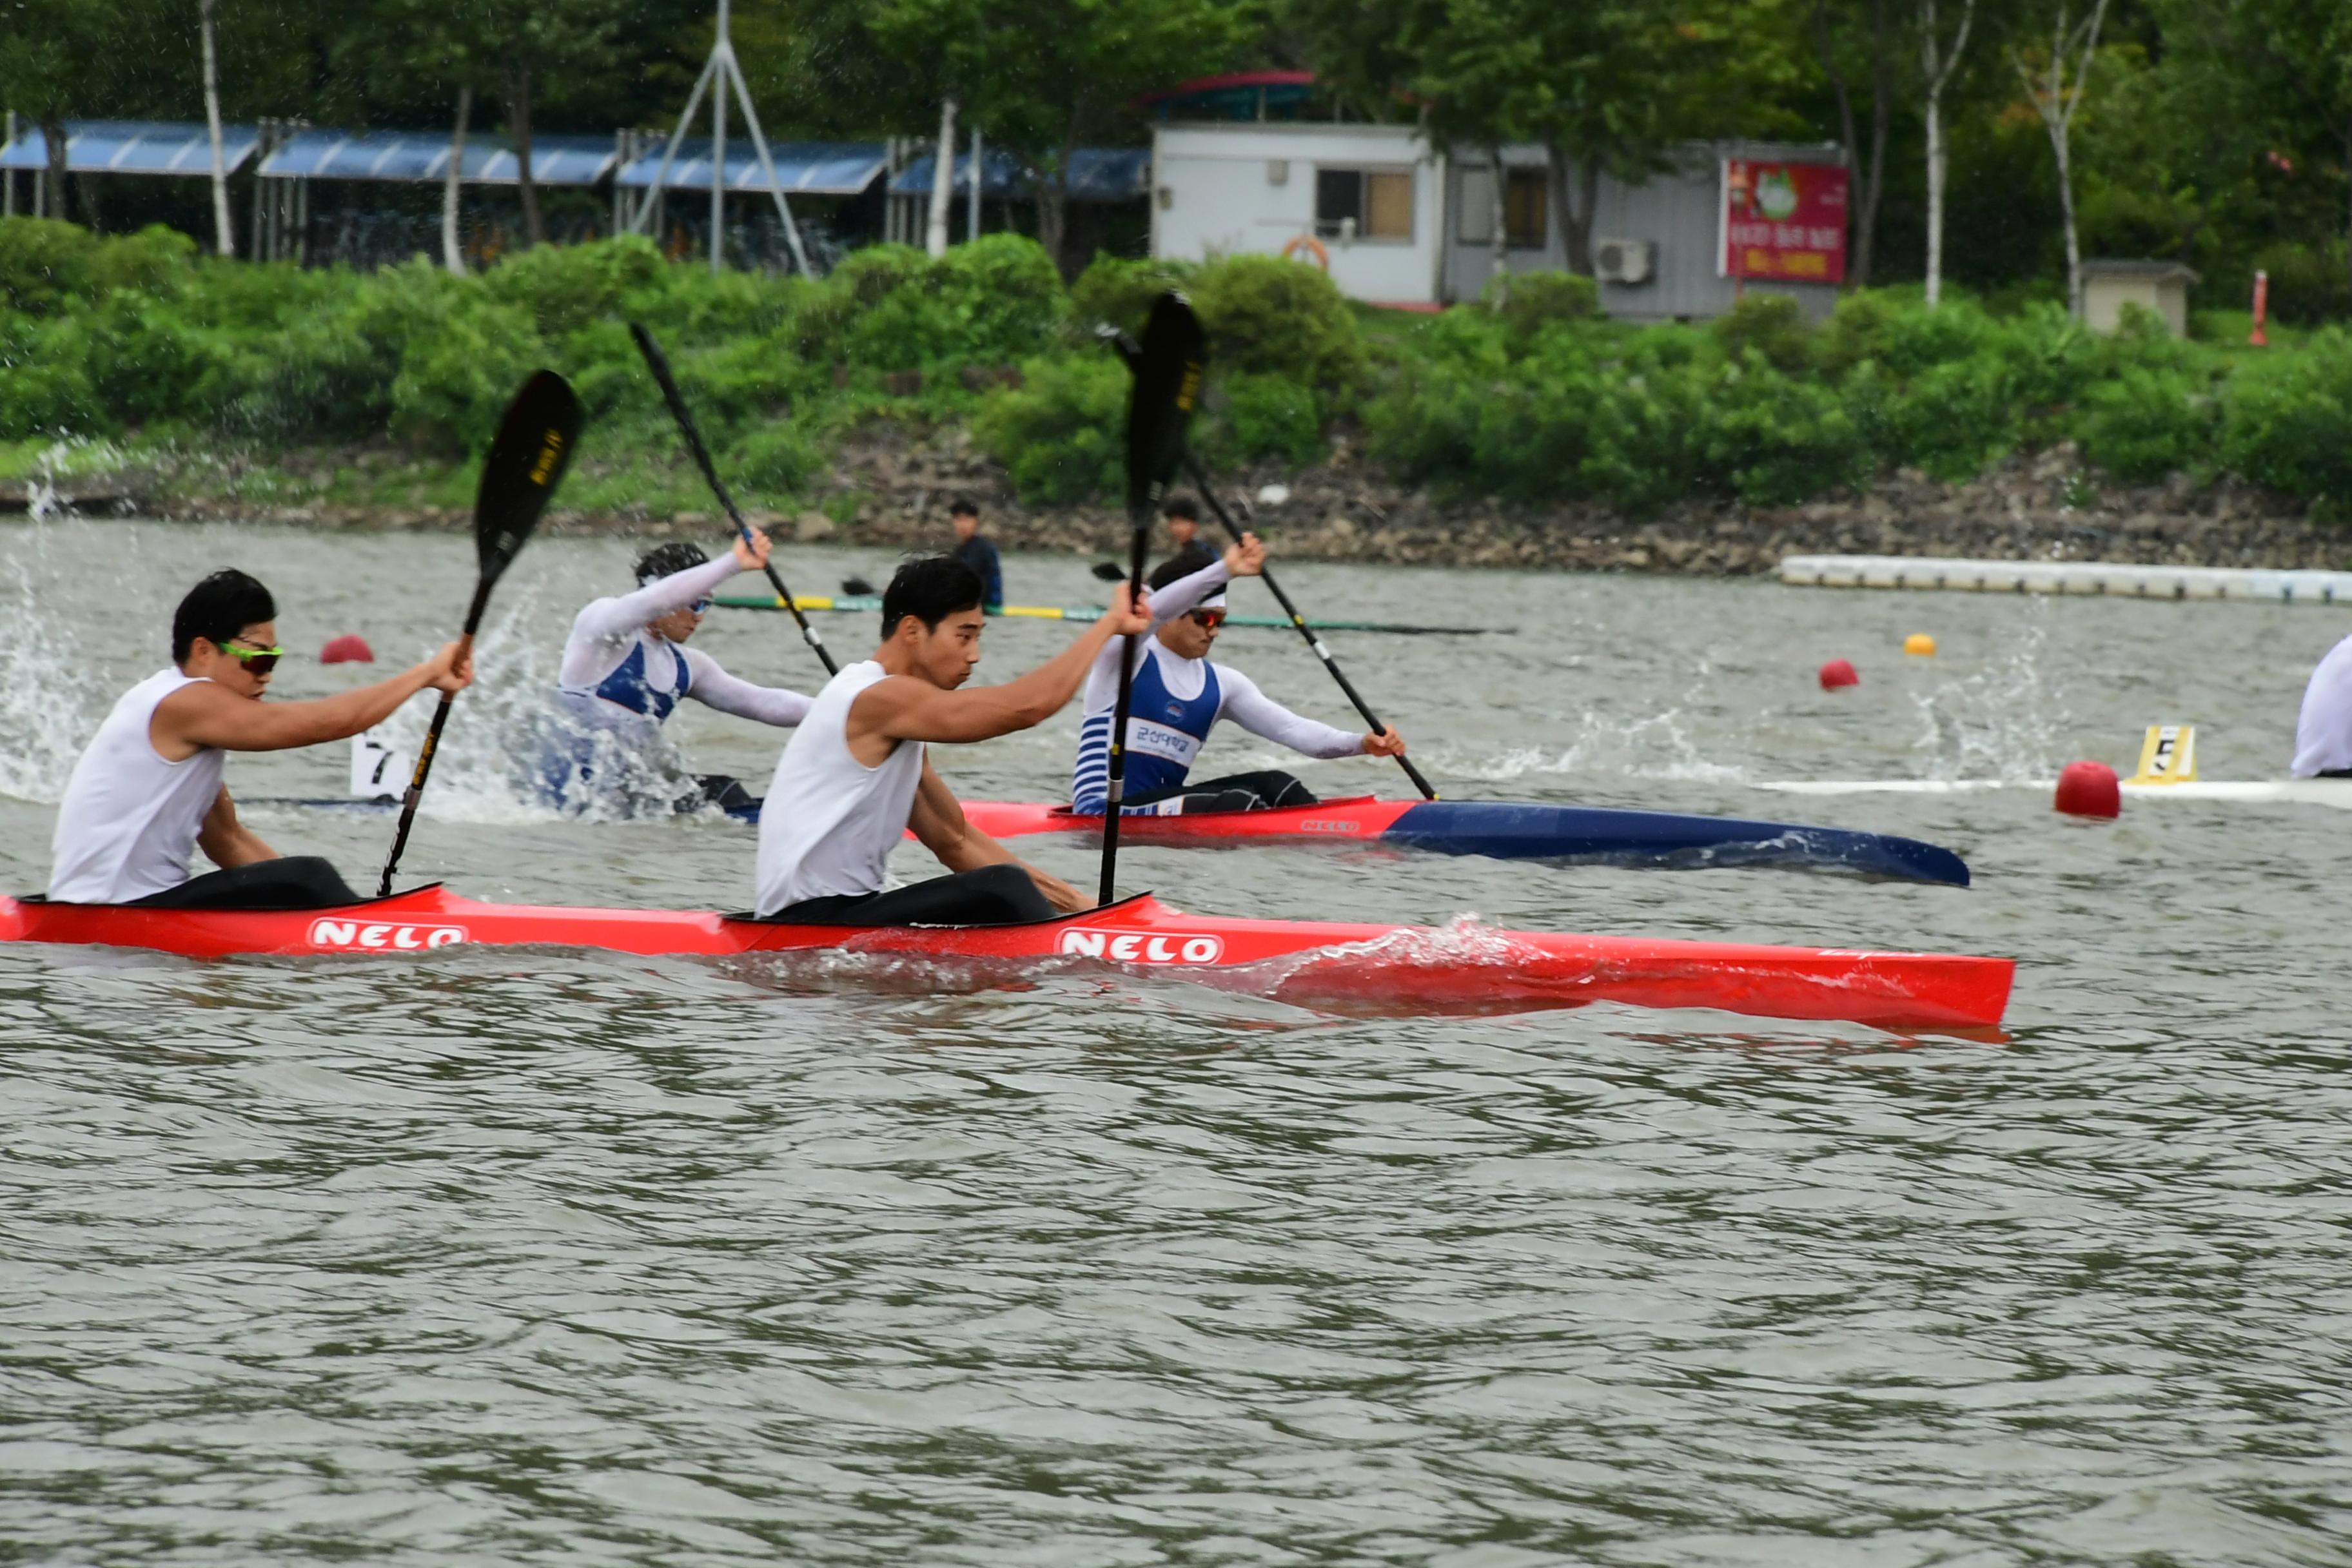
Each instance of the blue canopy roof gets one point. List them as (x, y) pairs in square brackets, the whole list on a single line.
[(132, 147), (416, 156), (804, 168), (1097, 174)]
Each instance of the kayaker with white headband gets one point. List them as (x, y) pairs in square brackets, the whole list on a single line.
[(857, 774), (1178, 696), (148, 791), (626, 666)]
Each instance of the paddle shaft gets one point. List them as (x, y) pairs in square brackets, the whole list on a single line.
[(432, 741), (1131, 648), (658, 362), (1200, 479)]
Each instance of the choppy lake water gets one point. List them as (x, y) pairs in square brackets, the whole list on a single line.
[(541, 1258)]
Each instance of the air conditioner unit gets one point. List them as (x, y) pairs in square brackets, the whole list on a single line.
[(1624, 260)]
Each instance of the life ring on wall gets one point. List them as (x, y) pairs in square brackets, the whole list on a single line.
[(1312, 246)]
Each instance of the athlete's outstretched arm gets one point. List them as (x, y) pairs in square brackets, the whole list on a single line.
[(901, 708), (204, 714), (939, 821), (778, 705), (1261, 715)]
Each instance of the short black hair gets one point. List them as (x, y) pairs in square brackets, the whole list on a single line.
[(216, 609), (963, 505), (669, 559), (1181, 506), (930, 589)]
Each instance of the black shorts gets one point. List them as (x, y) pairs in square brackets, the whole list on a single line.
[(290, 882), (987, 896), (1260, 791)]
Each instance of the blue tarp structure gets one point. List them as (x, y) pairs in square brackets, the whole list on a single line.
[(1097, 174), (413, 155), (804, 168), (132, 147)]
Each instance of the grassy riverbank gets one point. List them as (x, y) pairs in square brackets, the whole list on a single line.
[(278, 385)]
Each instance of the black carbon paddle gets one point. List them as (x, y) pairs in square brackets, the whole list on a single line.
[(658, 362), (1167, 369), (526, 462)]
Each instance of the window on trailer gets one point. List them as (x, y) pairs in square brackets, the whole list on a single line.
[(1526, 208), (1366, 203)]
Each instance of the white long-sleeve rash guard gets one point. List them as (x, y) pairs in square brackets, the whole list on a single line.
[(1239, 696), (604, 635)]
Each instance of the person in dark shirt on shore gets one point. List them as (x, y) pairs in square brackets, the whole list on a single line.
[(1182, 515), (976, 552)]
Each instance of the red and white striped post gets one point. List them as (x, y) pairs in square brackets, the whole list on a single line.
[(2258, 338)]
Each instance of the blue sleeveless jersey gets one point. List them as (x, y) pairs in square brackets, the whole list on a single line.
[(626, 687), (1164, 734)]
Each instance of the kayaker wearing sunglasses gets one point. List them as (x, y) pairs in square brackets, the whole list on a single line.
[(1178, 697), (626, 666), (147, 792), (857, 775)]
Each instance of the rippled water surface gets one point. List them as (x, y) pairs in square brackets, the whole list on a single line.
[(528, 1257)]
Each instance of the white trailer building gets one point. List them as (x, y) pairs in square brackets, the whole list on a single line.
[(1397, 222)]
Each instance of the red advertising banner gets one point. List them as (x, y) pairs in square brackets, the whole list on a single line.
[(1782, 221)]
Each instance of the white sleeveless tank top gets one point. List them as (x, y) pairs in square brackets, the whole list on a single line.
[(129, 820), (830, 821)]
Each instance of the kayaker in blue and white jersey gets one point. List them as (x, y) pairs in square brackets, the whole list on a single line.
[(2323, 730), (626, 666), (1178, 696), (856, 776), (148, 794)]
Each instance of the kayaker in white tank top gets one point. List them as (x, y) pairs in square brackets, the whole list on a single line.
[(857, 774), (147, 792)]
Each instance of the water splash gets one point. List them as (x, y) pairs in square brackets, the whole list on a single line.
[(1993, 724), (51, 702), (1655, 747)]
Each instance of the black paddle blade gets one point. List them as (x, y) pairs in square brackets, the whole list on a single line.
[(534, 445), (858, 587), (1167, 384), (1109, 571)]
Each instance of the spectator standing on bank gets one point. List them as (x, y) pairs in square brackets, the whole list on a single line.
[(1182, 516), (976, 553)]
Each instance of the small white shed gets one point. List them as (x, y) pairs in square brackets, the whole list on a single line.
[(2158, 286), (1365, 202)]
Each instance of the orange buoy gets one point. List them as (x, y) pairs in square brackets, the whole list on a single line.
[(1920, 644), (349, 649), (1839, 672), (2089, 789)]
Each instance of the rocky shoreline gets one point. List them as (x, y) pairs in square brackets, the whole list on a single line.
[(890, 490)]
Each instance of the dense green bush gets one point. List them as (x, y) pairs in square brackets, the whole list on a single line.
[(1529, 301), (1279, 317), (1060, 433), (1536, 399)]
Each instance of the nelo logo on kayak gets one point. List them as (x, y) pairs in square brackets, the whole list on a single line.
[(1327, 825), (1136, 947), (384, 936)]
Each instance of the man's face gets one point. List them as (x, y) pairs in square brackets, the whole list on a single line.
[(1182, 529), (945, 654), (966, 525), (1194, 633), (219, 663)]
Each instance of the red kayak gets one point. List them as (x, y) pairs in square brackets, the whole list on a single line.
[(1344, 967)]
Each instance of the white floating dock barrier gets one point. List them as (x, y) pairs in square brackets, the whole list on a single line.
[(2089, 577)]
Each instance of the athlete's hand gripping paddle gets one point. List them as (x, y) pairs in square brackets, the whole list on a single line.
[(1130, 352), (1168, 368), (658, 362), (526, 462)]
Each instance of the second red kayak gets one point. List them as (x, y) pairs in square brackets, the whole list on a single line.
[(1343, 967)]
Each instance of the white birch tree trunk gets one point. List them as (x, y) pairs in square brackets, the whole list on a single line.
[(224, 231), (452, 257), (1936, 64), (935, 238), (2058, 96)]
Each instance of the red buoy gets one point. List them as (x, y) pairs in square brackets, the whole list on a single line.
[(349, 649), (2089, 789), (1838, 672)]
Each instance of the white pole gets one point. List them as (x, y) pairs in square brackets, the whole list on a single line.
[(719, 147), (452, 255), (8, 176), (225, 236), (669, 153), (971, 227), (935, 239), (767, 164)]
